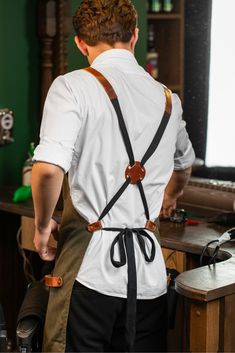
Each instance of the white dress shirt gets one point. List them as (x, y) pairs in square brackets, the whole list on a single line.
[(80, 133)]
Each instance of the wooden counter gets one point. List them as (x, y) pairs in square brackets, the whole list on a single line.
[(209, 292), (22, 208), (208, 282)]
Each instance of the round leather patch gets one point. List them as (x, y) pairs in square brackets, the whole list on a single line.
[(135, 172)]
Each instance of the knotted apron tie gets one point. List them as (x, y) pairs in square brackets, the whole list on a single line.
[(125, 242)]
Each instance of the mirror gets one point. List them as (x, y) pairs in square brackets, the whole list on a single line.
[(200, 18)]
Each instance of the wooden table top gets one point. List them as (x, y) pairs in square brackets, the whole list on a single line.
[(22, 208), (203, 283)]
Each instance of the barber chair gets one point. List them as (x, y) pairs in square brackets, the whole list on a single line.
[(31, 318), (28, 337)]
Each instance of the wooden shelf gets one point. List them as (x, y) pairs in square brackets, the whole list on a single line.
[(169, 44), (174, 88), (164, 16)]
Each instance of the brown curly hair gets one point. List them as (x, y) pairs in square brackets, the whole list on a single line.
[(107, 21)]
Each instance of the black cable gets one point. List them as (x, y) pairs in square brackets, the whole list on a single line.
[(214, 256), (27, 266), (206, 249)]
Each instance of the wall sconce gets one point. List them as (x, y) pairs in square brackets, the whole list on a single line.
[(6, 126)]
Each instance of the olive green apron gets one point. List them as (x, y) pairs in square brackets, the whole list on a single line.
[(73, 241)]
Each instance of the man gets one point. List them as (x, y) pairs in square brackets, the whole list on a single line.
[(108, 254)]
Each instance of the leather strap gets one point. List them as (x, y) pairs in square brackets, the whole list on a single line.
[(151, 226), (93, 227), (51, 281), (105, 83), (168, 107), (112, 94), (168, 279)]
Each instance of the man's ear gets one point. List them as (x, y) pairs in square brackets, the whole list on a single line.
[(134, 38), (81, 45)]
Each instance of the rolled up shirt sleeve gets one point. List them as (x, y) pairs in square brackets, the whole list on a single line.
[(184, 153), (60, 126)]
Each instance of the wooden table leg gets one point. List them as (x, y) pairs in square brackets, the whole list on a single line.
[(204, 326), (228, 323)]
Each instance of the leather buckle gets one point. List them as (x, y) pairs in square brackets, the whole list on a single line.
[(93, 227), (135, 172), (150, 226), (51, 281)]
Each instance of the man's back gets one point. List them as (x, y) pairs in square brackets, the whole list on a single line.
[(100, 158)]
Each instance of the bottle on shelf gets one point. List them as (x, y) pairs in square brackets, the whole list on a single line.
[(167, 5), (152, 54), (155, 6), (148, 5), (24, 192)]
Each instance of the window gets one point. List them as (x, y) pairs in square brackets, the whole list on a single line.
[(220, 149)]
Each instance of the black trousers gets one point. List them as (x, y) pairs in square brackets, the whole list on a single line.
[(96, 323)]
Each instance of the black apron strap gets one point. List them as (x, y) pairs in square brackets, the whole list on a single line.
[(114, 199), (143, 197), (160, 131), (123, 128), (113, 97)]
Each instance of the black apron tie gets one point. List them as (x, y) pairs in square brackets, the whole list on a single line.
[(125, 243)]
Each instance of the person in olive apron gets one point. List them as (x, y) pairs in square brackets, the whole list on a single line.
[(120, 136)]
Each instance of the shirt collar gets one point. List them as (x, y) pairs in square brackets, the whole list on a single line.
[(123, 55)]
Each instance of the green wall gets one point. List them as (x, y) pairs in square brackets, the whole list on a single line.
[(19, 76), (19, 82)]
